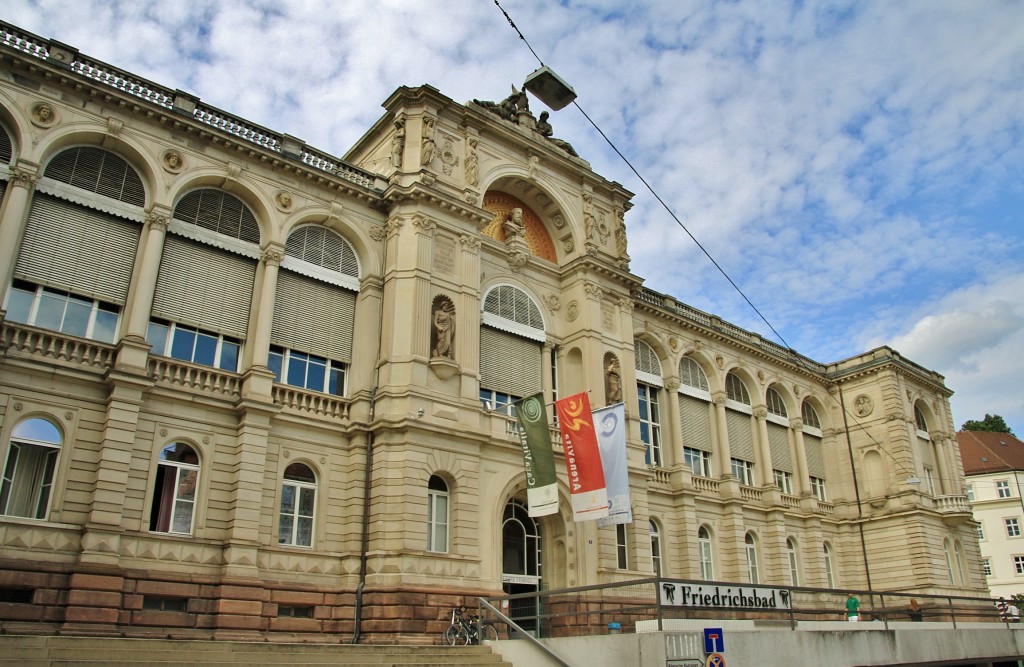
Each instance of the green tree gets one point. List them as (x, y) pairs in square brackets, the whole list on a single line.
[(992, 423)]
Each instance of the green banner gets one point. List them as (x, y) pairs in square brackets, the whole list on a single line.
[(538, 457)]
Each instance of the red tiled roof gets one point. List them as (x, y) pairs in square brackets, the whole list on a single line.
[(984, 451)]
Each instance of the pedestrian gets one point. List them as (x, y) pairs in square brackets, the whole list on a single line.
[(852, 608), (1001, 608), (916, 613)]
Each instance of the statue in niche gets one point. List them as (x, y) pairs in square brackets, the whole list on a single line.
[(427, 152), (398, 143), (589, 222), (514, 225), (612, 382), (442, 332)]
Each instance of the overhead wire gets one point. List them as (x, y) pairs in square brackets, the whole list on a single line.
[(704, 250)]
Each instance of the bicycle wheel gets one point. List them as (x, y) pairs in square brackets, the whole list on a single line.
[(488, 633), (455, 634)]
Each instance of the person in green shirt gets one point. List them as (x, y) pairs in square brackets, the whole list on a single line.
[(852, 608)]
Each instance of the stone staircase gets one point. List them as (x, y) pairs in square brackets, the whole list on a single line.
[(50, 651)]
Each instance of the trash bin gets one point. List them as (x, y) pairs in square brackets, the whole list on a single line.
[(615, 628)]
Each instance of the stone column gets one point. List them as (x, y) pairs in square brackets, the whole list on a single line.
[(803, 476), (671, 433), (271, 258), (247, 459), (724, 467), (764, 452), (134, 350), (14, 214)]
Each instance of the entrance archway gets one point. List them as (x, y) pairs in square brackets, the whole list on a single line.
[(521, 562)]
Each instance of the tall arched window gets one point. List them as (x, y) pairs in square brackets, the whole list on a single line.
[(741, 434), (813, 450), (320, 277), (794, 562), (511, 355), (174, 494), (830, 579), (655, 548), (29, 469), (298, 506), (205, 282), (649, 382), (437, 514), (947, 551), (958, 556), (753, 575), (706, 553), (695, 417), (78, 249), (777, 425)]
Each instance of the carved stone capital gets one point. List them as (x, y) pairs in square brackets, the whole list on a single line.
[(471, 243), (158, 220), (761, 413), (552, 302), (378, 233), (593, 290), (24, 178), (423, 223), (393, 225), (719, 397), (796, 424), (627, 305), (672, 384), (273, 254)]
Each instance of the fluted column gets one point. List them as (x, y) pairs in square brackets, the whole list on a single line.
[(13, 215)]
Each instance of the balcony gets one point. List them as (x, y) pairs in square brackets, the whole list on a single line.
[(48, 346)]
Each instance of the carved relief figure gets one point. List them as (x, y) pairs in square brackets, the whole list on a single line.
[(471, 158), (590, 223), (398, 143), (620, 232), (443, 329), (428, 146)]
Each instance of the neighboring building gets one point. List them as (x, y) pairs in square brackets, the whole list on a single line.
[(994, 466), (246, 386)]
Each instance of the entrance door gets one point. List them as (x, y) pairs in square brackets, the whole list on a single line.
[(520, 549)]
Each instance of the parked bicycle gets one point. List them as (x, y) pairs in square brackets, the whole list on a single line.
[(467, 629)]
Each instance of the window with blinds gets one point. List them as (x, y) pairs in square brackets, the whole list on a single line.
[(81, 250), (647, 363), (313, 316), (815, 456), (324, 248), (778, 444), (219, 212), (741, 436), (97, 170), (511, 353), (735, 390), (695, 416), (6, 146), (692, 375)]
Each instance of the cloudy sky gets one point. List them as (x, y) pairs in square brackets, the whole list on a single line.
[(855, 166)]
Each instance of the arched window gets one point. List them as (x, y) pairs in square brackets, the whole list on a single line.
[(958, 556), (810, 416), (751, 548), (520, 541), (78, 249), (319, 276), (695, 417), (794, 562), (655, 548), (98, 170), (437, 514), (740, 430), (174, 494), (813, 450), (298, 506), (919, 421), (949, 561), (830, 579), (511, 355), (6, 149), (776, 406), (707, 561), (204, 287), (30, 468), (648, 373)]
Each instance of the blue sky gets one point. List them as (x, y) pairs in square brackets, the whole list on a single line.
[(854, 166)]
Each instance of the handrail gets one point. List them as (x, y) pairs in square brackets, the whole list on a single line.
[(512, 624)]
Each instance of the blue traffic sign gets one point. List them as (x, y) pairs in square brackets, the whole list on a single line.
[(714, 640)]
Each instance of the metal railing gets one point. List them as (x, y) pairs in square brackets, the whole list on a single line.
[(644, 605)]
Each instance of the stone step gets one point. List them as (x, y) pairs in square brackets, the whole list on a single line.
[(55, 651)]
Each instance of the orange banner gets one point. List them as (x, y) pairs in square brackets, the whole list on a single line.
[(582, 458)]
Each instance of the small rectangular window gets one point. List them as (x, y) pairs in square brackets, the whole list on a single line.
[(1003, 488), (159, 603), (783, 480), (1018, 564), (743, 471), (1012, 527), (986, 567), (621, 547), (293, 611)]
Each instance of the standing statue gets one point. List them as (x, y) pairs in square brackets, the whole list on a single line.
[(398, 143), (613, 383), (471, 163), (427, 151), (444, 329)]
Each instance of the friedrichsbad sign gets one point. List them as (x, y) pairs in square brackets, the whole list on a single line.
[(723, 597)]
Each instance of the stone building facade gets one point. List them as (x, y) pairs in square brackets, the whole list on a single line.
[(249, 387)]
